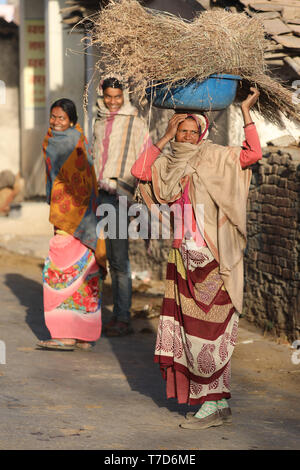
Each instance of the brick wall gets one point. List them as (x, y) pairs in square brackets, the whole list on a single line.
[(272, 298)]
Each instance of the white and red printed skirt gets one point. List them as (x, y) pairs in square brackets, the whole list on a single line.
[(197, 330)]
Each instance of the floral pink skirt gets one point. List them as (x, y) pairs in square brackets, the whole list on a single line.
[(72, 285)]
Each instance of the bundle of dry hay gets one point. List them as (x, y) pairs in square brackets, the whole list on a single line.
[(147, 47)]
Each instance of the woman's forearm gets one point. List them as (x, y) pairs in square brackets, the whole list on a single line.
[(248, 103), (142, 166), (246, 115), (251, 151)]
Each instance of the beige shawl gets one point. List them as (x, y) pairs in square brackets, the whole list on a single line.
[(217, 181), (119, 138)]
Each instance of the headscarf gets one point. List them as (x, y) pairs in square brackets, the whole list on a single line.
[(71, 184), (203, 125), (119, 138), (217, 181)]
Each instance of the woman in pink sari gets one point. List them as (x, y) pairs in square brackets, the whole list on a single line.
[(72, 278)]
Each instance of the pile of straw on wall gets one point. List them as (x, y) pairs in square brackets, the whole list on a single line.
[(146, 47)]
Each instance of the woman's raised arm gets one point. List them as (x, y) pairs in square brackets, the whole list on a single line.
[(251, 151)]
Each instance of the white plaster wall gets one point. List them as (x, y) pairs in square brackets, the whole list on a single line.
[(9, 104), (65, 60), (9, 132), (65, 78), (33, 120)]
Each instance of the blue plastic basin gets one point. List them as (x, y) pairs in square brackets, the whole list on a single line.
[(214, 93)]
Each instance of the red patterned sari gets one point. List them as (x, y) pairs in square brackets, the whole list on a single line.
[(204, 286), (197, 329)]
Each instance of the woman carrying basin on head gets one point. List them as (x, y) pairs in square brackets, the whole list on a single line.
[(204, 281), (72, 278)]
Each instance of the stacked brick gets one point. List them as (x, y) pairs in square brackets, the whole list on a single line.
[(272, 278)]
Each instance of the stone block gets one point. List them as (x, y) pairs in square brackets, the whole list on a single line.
[(281, 262), (275, 159), (265, 258), (283, 182), (282, 141), (252, 216), (293, 195), (293, 186), (268, 189), (255, 206), (294, 154), (289, 212), (266, 169), (287, 273), (285, 233), (282, 201), (272, 179), (267, 199), (282, 192), (285, 158)]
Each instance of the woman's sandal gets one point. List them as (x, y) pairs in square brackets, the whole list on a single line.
[(225, 414), (83, 346), (55, 344), (211, 420)]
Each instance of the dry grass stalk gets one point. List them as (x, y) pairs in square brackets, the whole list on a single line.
[(146, 47)]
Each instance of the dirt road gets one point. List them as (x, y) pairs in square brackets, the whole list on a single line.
[(113, 398)]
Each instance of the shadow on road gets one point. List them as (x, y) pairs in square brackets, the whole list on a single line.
[(135, 354), (30, 295)]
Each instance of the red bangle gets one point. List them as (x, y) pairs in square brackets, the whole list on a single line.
[(249, 124)]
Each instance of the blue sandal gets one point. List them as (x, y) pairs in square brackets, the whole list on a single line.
[(55, 344)]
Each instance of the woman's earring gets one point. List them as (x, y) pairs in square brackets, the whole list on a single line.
[(71, 125)]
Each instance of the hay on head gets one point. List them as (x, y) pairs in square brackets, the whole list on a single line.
[(146, 47)]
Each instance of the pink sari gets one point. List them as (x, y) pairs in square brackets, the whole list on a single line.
[(72, 290)]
